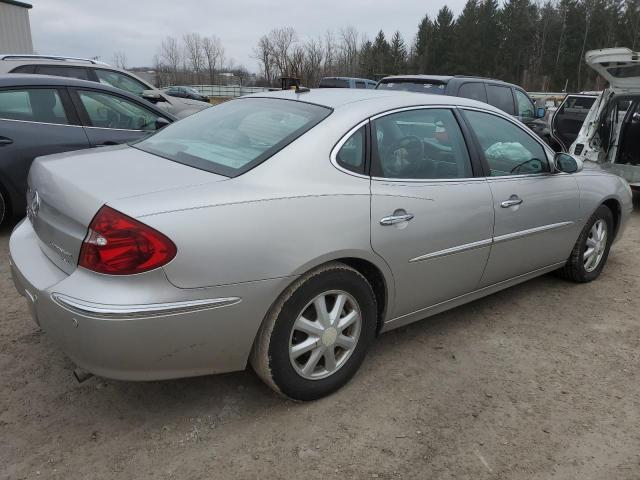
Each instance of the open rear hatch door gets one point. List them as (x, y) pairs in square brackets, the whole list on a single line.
[(618, 66), (67, 190)]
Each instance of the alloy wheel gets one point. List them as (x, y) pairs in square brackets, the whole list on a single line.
[(325, 334), (596, 245)]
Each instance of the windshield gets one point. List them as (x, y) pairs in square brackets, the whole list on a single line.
[(234, 137), (413, 85)]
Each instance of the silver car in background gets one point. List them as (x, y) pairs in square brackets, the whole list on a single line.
[(289, 229)]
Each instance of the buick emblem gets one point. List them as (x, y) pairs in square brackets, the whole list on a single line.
[(34, 205)]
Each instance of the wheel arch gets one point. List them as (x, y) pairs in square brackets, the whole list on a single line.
[(616, 210)]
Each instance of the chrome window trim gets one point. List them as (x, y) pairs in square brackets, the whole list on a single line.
[(125, 312), (39, 123), (334, 152), (120, 129)]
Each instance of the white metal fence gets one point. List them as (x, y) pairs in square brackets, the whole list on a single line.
[(227, 90)]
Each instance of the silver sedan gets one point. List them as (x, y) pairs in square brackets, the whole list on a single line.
[(288, 230)]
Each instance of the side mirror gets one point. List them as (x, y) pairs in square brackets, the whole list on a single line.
[(162, 122), (566, 163), (541, 112), (152, 96)]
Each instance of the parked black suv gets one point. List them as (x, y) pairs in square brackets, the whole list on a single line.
[(505, 96)]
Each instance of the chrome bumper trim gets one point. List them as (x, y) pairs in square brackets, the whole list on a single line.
[(124, 312)]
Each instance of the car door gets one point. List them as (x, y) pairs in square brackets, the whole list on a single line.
[(431, 219), (34, 121), (568, 119), (111, 119), (536, 210)]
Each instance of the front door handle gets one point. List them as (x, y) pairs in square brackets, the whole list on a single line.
[(396, 218), (512, 202), (5, 141)]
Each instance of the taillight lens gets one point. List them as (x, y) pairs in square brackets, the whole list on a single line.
[(120, 245)]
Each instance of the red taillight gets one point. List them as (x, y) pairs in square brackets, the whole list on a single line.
[(120, 245)]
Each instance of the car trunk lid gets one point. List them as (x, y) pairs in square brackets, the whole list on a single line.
[(66, 191), (618, 66)]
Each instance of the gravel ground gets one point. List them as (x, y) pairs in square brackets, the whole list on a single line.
[(539, 381)]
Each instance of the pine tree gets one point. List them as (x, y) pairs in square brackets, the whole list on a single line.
[(398, 53)]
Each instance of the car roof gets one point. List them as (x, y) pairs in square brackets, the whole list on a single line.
[(336, 98), (446, 78), (32, 80), (347, 78)]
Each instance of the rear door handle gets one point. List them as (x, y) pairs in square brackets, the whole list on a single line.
[(396, 218), (512, 202), (5, 141)]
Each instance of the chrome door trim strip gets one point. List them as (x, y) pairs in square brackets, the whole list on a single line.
[(126, 312), (118, 129), (453, 250), (531, 231), (490, 241)]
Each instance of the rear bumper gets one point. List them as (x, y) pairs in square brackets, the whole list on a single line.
[(139, 327)]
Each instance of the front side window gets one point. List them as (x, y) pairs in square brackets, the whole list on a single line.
[(352, 153), (507, 148), (525, 105), (121, 81), (500, 97), (474, 91), (235, 136), (69, 72), (360, 84), (420, 144), (111, 111), (32, 105)]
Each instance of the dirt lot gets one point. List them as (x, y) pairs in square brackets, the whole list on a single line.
[(540, 381)]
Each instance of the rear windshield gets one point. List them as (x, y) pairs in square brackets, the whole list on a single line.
[(334, 83), (625, 70), (413, 85), (234, 137)]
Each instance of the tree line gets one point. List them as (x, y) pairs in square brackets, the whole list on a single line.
[(540, 46)]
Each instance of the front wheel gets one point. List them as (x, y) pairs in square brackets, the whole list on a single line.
[(590, 253), (317, 334)]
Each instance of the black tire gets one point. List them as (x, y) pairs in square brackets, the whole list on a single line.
[(3, 208), (574, 270), (270, 356)]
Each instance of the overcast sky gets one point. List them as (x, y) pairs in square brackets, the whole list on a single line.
[(89, 28)]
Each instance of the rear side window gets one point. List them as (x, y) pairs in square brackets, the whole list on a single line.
[(334, 83), (525, 105), (419, 144), (70, 72), (360, 84), (474, 91), (24, 69), (32, 105), (121, 81), (500, 97), (413, 85), (235, 136), (111, 111), (352, 153)]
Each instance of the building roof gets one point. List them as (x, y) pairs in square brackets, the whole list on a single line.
[(17, 4)]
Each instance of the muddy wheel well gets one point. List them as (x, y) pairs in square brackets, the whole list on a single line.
[(376, 279), (616, 210)]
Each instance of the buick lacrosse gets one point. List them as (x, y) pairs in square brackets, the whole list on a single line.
[(287, 230)]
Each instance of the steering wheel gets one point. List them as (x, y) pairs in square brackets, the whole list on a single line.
[(536, 165), (399, 160)]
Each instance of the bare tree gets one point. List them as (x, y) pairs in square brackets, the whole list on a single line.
[(213, 54), (314, 54), (119, 59), (281, 40), (171, 55), (330, 52), (194, 54), (263, 53), (349, 50)]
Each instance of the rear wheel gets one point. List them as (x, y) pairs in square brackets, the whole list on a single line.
[(590, 253), (317, 334), (3, 208)]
